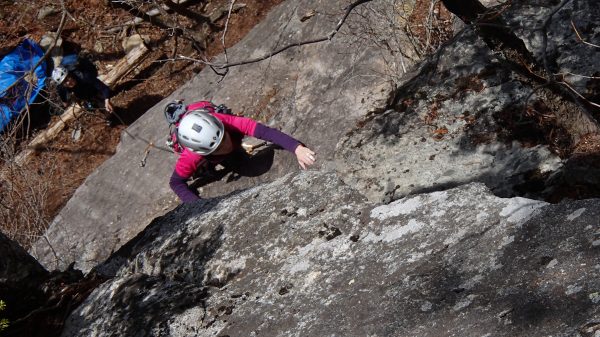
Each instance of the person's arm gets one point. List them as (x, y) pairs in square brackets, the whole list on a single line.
[(108, 105), (104, 93), (275, 136), (186, 165), (304, 155), (101, 88), (179, 185), (250, 127)]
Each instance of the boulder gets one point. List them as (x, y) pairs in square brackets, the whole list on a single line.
[(462, 117), (20, 279), (308, 256)]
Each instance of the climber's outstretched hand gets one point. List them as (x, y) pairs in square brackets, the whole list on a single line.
[(305, 156)]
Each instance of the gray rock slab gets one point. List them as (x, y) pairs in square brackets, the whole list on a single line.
[(455, 121), (443, 133), (314, 92), (307, 256)]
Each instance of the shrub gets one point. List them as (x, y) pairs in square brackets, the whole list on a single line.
[(3, 321)]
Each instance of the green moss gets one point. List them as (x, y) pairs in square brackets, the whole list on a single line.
[(3, 321)]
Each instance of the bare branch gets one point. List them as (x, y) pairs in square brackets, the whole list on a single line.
[(153, 18), (552, 78), (182, 10), (578, 94), (580, 38), (566, 73), (428, 24), (328, 37), (544, 30), (225, 30)]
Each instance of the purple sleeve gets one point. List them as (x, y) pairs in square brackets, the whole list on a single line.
[(275, 136), (179, 186)]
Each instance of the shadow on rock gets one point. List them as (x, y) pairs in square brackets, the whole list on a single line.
[(158, 230), (240, 165), (540, 283), (579, 178), (551, 283), (161, 274)]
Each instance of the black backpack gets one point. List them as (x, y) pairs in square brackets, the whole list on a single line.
[(175, 111)]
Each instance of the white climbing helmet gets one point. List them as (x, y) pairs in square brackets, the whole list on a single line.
[(200, 131), (59, 74)]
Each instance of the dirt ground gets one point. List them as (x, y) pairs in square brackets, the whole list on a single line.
[(32, 195)]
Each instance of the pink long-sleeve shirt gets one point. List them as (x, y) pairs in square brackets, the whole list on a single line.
[(237, 128)]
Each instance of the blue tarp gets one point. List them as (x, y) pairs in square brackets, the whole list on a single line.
[(15, 90)]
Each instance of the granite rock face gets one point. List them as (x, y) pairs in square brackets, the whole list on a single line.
[(317, 253), (443, 128), (307, 256)]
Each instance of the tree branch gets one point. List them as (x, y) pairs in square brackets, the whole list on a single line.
[(544, 31), (225, 29), (272, 53), (158, 22), (580, 38)]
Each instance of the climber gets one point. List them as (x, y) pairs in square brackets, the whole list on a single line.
[(85, 87), (209, 138)]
